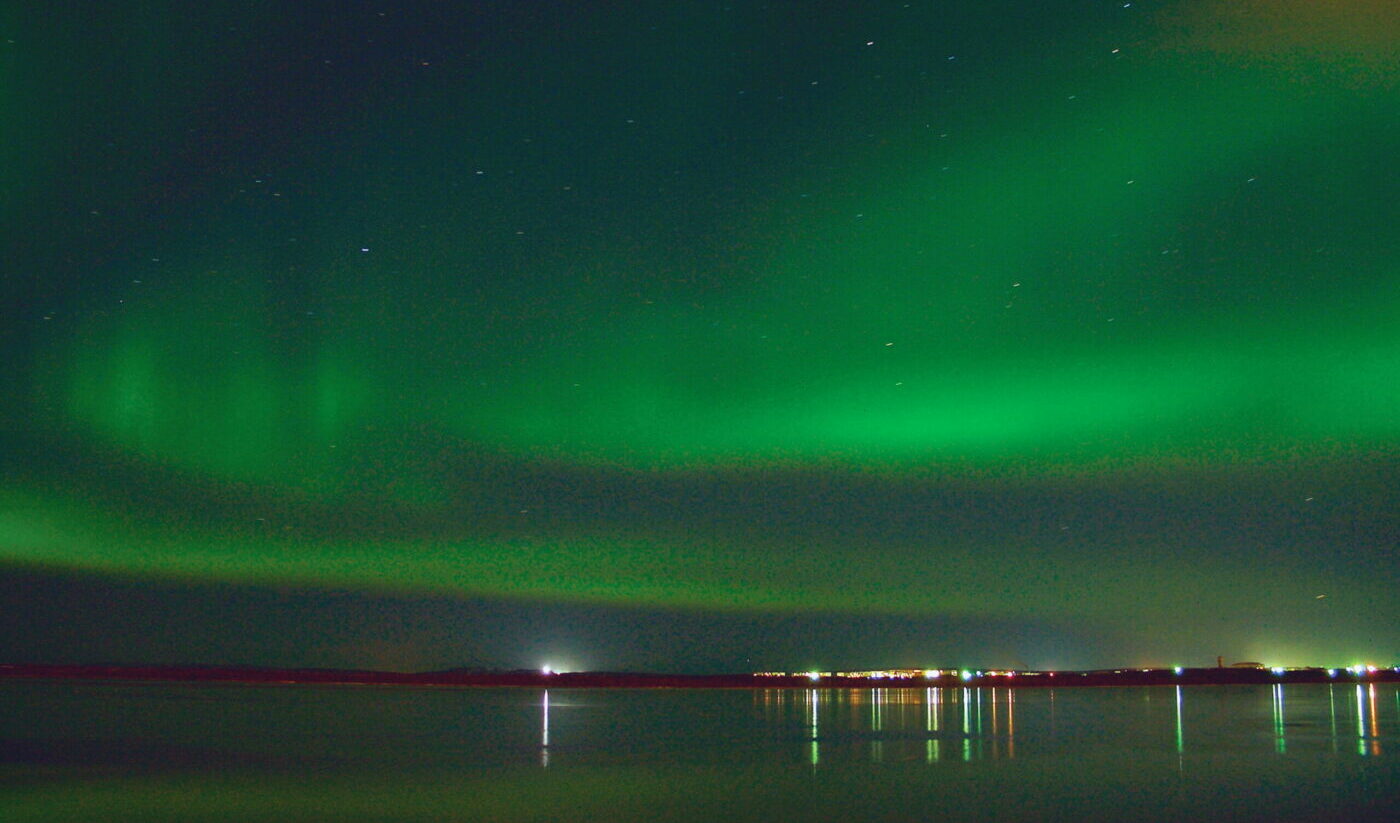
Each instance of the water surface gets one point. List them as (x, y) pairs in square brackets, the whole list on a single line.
[(124, 751)]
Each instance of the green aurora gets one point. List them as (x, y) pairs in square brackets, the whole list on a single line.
[(1086, 316)]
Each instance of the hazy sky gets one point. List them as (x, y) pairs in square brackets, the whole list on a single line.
[(700, 336)]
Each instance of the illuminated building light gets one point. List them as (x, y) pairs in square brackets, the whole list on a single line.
[(547, 670), (931, 673), (814, 675), (1370, 669), (966, 675), (1176, 670), (1277, 670), (1331, 672)]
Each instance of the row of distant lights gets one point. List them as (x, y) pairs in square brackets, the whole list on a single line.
[(929, 674), (965, 675), (1358, 670)]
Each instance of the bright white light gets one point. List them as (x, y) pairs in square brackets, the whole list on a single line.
[(1331, 672), (1371, 669), (547, 670), (931, 672), (1277, 670), (1176, 669), (966, 675), (814, 676)]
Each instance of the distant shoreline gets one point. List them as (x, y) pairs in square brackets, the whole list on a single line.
[(637, 680)]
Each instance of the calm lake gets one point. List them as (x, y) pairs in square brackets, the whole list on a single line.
[(76, 751)]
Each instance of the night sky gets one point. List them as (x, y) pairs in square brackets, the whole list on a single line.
[(700, 336)]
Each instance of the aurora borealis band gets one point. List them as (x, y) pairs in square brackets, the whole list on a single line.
[(680, 335)]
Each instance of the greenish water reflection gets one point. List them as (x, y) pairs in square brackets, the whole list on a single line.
[(75, 751)]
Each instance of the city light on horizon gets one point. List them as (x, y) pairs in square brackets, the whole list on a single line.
[(1009, 675)]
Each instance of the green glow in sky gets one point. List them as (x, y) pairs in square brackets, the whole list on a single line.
[(954, 280), (1041, 282)]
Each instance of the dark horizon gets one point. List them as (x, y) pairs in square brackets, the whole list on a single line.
[(1237, 674)]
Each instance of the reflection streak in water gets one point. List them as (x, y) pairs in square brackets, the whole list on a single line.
[(1180, 738), (1375, 723), (544, 733), (967, 724), (1360, 720), (1010, 723), (1332, 710), (933, 707)]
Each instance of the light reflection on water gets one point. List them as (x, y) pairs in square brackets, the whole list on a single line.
[(968, 724), (219, 752), (544, 734)]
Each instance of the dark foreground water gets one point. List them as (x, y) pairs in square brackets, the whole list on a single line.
[(77, 751)]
